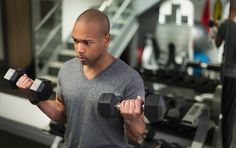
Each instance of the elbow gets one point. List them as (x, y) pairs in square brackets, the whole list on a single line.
[(136, 139), (59, 118)]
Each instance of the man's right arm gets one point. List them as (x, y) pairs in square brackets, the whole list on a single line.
[(54, 109)]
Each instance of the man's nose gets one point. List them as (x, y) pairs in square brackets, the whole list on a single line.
[(79, 48)]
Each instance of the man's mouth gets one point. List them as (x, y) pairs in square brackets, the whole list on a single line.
[(82, 58)]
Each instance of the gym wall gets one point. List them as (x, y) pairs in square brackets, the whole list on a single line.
[(71, 10)]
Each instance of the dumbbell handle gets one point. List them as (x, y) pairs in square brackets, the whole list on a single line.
[(118, 106)]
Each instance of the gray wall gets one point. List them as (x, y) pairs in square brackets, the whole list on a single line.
[(71, 10)]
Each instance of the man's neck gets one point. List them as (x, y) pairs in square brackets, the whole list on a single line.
[(92, 71)]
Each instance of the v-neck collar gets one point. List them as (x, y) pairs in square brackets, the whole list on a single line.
[(99, 74)]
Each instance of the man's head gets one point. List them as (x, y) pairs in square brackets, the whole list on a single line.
[(91, 36), (96, 16)]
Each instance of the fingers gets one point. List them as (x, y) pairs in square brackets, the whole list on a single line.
[(131, 108), (24, 82)]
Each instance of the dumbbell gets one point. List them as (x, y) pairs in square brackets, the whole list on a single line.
[(200, 79), (154, 106), (189, 79), (176, 75), (41, 89), (175, 113), (161, 74), (13, 75)]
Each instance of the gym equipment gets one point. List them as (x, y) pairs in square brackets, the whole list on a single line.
[(203, 126), (200, 79), (171, 63), (169, 75), (192, 116), (154, 107), (149, 134), (57, 129), (41, 89), (216, 104), (176, 75), (208, 66), (175, 113), (150, 54), (13, 75)]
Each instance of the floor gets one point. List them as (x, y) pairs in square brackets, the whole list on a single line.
[(8, 140)]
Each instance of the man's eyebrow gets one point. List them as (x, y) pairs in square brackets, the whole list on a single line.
[(83, 40), (73, 38)]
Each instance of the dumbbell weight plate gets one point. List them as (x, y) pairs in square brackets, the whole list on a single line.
[(13, 75), (154, 108), (106, 105), (41, 89)]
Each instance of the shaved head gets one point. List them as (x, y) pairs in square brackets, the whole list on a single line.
[(96, 17)]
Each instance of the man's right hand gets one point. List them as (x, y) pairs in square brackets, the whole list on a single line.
[(24, 82)]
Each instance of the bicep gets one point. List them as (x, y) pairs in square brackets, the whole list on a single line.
[(60, 103), (135, 88)]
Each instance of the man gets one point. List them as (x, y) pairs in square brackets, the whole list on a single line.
[(227, 33), (83, 79)]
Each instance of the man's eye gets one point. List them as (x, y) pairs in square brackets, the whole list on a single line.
[(88, 42), (75, 41)]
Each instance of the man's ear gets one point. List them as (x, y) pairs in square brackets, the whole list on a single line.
[(107, 40)]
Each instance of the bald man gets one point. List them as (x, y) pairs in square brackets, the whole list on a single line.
[(227, 33), (83, 79)]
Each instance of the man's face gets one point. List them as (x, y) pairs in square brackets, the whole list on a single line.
[(89, 42)]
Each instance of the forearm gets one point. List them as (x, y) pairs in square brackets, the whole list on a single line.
[(135, 128), (54, 110)]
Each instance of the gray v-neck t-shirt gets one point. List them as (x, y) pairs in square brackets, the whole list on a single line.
[(85, 127)]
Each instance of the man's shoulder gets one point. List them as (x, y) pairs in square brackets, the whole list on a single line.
[(125, 68), (124, 65), (70, 62)]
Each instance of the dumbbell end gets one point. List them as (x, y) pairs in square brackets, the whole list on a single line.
[(154, 108), (13, 75), (107, 105), (41, 89)]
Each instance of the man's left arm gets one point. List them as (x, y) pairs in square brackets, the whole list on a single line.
[(132, 112)]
